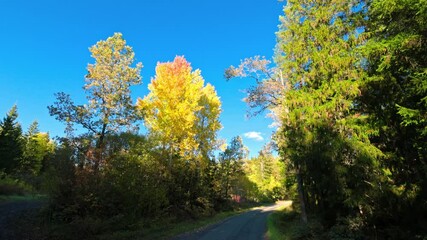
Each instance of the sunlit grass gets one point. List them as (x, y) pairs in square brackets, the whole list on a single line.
[(282, 223)]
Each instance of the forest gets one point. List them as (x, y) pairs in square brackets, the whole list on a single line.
[(346, 87)]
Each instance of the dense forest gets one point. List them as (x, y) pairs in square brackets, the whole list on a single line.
[(347, 90)]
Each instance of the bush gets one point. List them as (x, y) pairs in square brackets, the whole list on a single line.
[(347, 228), (11, 186)]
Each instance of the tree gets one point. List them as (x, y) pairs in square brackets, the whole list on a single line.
[(231, 166), (311, 94), (181, 111), (38, 147), (108, 83), (322, 133), (207, 123), (268, 174), (269, 88), (11, 142), (394, 96)]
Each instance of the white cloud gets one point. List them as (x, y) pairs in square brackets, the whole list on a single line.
[(254, 135)]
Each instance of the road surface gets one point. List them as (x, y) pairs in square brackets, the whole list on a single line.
[(251, 225), (10, 215)]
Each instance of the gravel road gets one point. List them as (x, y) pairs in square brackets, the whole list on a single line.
[(251, 225), (11, 212)]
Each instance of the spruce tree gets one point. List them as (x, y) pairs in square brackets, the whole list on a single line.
[(321, 132), (11, 142)]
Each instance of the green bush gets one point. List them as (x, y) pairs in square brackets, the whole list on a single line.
[(11, 186)]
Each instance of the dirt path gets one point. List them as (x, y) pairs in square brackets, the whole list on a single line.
[(251, 225), (11, 211)]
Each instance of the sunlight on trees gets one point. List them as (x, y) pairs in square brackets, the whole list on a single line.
[(181, 111), (110, 106), (350, 110), (11, 142), (346, 91)]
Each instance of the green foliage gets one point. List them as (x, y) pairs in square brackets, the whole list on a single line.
[(11, 142), (353, 113), (394, 96), (130, 185), (325, 138), (110, 108), (21, 155), (349, 97), (286, 225), (12, 186), (267, 172), (230, 167), (38, 148)]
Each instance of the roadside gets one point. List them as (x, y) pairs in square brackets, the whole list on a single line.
[(285, 224), (20, 219), (250, 225), (16, 212), (167, 230)]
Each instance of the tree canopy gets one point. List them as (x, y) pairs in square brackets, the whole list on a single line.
[(181, 110)]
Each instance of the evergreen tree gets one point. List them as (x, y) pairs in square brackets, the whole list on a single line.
[(321, 133), (231, 166), (395, 97), (11, 142)]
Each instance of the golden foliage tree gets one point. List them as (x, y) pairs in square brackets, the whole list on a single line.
[(181, 111)]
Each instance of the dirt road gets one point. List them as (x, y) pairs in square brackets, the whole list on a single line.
[(251, 225), (10, 215)]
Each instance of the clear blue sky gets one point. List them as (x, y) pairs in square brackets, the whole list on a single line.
[(44, 49)]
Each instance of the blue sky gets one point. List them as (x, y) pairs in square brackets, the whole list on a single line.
[(45, 50)]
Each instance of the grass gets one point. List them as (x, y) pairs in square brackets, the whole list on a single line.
[(17, 198), (168, 230), (284, 224)]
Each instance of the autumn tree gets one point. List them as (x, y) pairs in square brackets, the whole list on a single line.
[(181, 111), (109, 108), (11, 142)]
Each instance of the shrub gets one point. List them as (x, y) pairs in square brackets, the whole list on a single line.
[(11, 186)]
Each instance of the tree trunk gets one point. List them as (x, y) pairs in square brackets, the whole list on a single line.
[(301, 196), (99, 148)]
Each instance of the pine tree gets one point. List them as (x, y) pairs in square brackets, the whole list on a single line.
[(11, 142), (322, 134), (395, 97)]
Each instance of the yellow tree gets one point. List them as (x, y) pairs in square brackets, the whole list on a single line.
[(181, 111)]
